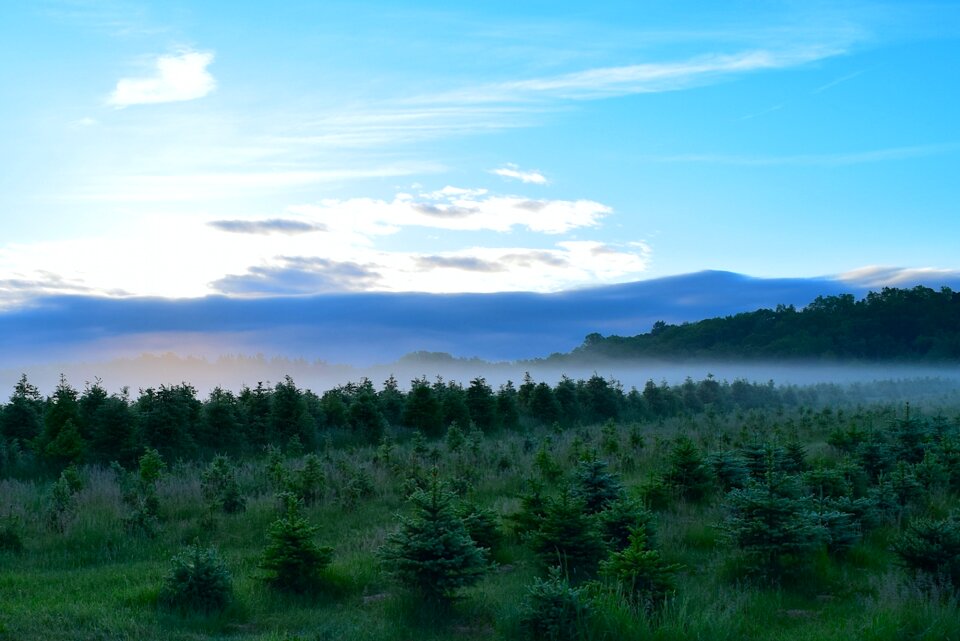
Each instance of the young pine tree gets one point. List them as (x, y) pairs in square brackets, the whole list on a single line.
[(432, 552), (640, 573), (292, 561)]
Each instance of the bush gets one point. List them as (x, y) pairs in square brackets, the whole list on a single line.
[(555, 611), (482, 526), (198, 581), (292, 560)]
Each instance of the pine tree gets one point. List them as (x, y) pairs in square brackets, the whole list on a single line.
[(292, 560), (595, 486), (620, 518), (555, 610), (568, 536), (641, 573), (432, 552), (220, 486), (770, 522), (932, 547), (688, 472), (198, 581)]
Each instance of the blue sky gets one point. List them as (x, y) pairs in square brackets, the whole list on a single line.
[(185, 149)]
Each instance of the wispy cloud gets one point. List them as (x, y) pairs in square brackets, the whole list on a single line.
[(606, 82), (511, 170), (883, 276), (178, 77), (270, 226), (828, 160), (838, 81)]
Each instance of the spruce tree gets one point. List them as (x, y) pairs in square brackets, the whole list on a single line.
[(432, 552), (568, 536), (595, 486), (220, 486), (771, 522), (641, 573), (292, 560), (688, 472)]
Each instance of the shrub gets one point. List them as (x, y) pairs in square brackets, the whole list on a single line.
[(292, 560), (432, 552), (554, 610), (198, 581)]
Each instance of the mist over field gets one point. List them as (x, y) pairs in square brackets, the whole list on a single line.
[(232, 373)]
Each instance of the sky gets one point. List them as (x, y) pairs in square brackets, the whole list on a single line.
[(189, 149)]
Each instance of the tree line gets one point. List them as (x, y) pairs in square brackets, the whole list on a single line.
[(95, 426), (918, 324)]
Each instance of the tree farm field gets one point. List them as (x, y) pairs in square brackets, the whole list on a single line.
[(706, 510)]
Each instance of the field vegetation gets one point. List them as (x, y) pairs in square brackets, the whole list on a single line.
[(707, 510)]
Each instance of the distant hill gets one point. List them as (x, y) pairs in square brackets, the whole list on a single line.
[(905, 325), (362, 329)]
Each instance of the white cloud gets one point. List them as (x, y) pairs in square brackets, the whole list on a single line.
[(511, 170), (457, 209), (178, 77)]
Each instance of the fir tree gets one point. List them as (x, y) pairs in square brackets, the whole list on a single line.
[(432, 552), (770, 522), (641, 573), (595, 486), (220, 486), (568, 536), (688, 471), (292, 561)]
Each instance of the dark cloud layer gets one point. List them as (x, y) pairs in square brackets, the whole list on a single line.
[(364, 328), (270, 226), (465, 263), (300, 275)]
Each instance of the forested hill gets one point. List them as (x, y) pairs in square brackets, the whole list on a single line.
[(918, 324)]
